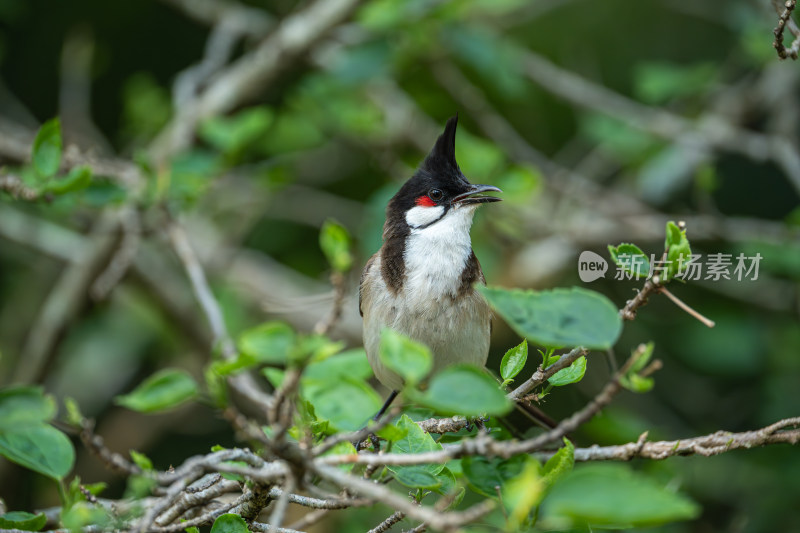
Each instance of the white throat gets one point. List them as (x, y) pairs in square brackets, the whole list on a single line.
[(435, 255)]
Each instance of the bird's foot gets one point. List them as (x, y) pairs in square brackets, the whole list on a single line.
[(478, 421), (369, 439)]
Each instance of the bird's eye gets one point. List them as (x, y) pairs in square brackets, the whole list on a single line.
[(435, 194)]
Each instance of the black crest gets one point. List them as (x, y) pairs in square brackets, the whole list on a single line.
[(442, 158)]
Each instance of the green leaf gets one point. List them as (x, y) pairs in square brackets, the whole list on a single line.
[(23, 521), (678, 251), (514, 360), (268, 343), (346, 403), (487, 476), (233, 134), (560, 464), (274, 376), (630, 258), (343, 448), (352, 363), (229, 523), (165, 389), (78, 178), (25, 406), (559, 317), (632, 380), (464, 390), (408, 358), (522, 493), (141, 460), (74, 415), (335, 243), (415, 441), (46, 154), (41, 448), (572, 374), (613, 495), (637, 383), (416, 477), (83, 514)]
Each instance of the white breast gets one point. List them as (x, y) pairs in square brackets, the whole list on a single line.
[(435, 256)]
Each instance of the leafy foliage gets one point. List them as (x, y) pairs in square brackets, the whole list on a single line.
[(560, 317)]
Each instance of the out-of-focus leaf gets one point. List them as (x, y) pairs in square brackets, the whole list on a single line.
[(559, 317), (559, 465), (141, 460), (23, 406), (83, 514), (78, 178), (406, 357), (163, 390), (522, 493), (351, 363), (347, 403), (46, 154), (514, 361), (572, 374), (146, 107), (616, 137), (656, 83), (22, 521), (612, 495), (268, 343), (464, 390), (343, 448), (42, 448), (335, 243), (233, 134)]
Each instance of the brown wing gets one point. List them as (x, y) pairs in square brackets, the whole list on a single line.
[(363, 277)]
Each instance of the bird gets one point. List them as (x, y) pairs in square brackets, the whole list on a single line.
[(421, 281)]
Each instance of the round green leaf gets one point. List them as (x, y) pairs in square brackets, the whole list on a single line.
[(268, 343), (559, 317), (22, 521), (486, 476), (229, 523), (614, 495), (41, 448), (348, 404), (404, 356), (465, 390), (46, 154), (25, 406), (163, 390), (514, 360)]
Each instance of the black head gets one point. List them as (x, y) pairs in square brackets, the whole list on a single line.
[(437, 182)]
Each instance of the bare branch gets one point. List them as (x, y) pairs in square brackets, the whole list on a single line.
[(783, 20)]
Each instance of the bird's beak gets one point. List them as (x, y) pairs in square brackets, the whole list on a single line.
[(473, 196)]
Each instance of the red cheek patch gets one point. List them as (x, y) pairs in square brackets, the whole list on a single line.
[(425, 201)]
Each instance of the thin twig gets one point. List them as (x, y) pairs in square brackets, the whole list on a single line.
[(680, 303), (388, 523)]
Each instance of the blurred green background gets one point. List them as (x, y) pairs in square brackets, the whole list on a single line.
[(599, 120)]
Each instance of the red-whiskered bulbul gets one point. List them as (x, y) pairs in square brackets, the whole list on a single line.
[(420, 283)]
